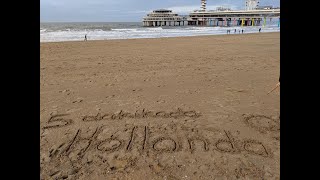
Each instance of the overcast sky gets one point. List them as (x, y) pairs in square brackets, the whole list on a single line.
[(125, 10)]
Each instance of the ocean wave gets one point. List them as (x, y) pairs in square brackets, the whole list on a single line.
[(137, 33), (122, 29)]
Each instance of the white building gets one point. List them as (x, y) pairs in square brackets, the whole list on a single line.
[(163, 17)]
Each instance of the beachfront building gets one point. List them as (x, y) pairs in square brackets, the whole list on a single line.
[(163, 17)]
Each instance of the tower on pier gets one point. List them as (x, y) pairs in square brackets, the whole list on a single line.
[(203, 5), (252, 4)]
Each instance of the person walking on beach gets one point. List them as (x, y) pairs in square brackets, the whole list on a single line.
[(242, 31), (259, 29), (235, 30), (239, 31), (85, 37)]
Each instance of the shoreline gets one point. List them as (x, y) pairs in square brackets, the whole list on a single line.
[(73, 41)]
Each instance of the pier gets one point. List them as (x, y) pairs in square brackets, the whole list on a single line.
[(232, 18), (253, 15)]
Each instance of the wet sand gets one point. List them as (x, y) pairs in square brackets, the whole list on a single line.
[(169, 108)]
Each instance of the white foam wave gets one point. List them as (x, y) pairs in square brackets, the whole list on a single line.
[(134, 33), (133, 29)]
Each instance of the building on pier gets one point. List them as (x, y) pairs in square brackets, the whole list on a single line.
[(265, 7), (163, 17), (253, 15), (232, 18)]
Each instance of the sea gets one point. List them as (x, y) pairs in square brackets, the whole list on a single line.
[(75, 31)]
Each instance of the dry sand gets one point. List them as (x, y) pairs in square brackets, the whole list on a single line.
[(170, 108)]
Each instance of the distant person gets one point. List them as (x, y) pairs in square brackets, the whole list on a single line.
[(235, 30), (259, 29), (85, 37), (242, 31), (239, 31)]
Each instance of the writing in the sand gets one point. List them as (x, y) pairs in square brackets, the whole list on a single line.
[(59, 120), (140, 139)]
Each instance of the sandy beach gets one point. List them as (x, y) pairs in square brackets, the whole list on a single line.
[(169, 108)]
